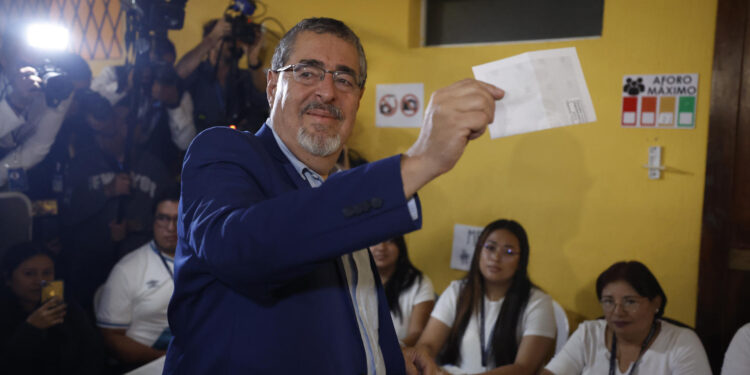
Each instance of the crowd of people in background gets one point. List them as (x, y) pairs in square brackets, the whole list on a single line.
[(105, 160), (109, 156)]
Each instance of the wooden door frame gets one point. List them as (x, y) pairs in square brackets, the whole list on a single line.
[(732, 44)]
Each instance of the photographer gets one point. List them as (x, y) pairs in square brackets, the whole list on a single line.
[(164, 121), (107, 207), (28, 125), (46, 179), (224, 94)]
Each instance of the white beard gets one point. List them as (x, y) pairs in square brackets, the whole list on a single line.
[(318, 145)]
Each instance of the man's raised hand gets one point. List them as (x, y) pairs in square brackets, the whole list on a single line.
[(456, 114)]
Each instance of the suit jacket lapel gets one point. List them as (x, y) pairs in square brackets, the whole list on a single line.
[(265, 134)]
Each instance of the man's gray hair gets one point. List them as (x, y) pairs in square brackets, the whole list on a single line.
[(320, 26)]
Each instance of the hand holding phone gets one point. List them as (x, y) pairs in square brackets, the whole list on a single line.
[(49, 314)]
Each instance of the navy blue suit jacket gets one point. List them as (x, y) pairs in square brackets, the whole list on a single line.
[(259, 287)]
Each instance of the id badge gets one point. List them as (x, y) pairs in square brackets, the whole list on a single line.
[(17, 179)]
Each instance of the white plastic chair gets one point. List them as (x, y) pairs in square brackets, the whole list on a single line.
[(563, 328)]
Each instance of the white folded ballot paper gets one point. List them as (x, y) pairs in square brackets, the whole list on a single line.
[(543, 90)]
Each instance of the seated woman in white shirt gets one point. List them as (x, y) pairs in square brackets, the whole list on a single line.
[(737, 358), (494, 320), (632, 338), (409, 293)]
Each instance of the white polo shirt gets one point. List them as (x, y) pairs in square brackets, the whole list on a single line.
[(136, 295)]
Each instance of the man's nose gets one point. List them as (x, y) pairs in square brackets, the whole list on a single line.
[(326, 89)]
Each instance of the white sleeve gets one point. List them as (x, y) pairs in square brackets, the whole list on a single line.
[(106, 85), (426, 291), (445, 309), (46, 122), (571, 359), (114, 308), (539, 317), (737, 359), (690, 358), (8, 118), (181, 123)]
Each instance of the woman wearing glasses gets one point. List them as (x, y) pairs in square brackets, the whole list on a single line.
[(495, 320), (633, 338)]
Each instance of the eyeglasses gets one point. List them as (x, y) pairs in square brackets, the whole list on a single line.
[(505, 253), (165, 220), (309, 75), (628, 304)]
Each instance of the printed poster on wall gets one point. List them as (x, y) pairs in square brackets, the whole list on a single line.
[(399, 105), (665, 101), (464, 239)]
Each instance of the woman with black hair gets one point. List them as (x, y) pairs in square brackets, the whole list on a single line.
[(633, 337), (36, 337), (494, 320), (409, 293)]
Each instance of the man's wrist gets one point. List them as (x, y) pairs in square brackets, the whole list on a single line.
[(206, 44), (415, 173), (18, 105)]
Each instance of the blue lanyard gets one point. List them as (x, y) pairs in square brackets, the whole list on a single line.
[(163, 259)]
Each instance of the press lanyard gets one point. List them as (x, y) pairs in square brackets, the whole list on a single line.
[(613, 353), (163, 260)]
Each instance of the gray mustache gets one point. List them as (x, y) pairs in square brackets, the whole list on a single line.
[(330, 108)]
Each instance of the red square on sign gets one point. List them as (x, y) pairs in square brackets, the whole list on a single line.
[(629, 110), (648, 111)]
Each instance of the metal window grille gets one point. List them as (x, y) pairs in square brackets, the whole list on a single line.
[(96, 26)]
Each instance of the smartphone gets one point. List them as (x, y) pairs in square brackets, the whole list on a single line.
[(52, 289)]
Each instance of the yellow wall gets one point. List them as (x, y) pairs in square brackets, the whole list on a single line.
[(580, 191)]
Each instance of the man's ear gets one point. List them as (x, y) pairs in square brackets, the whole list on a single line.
[(272, 81)]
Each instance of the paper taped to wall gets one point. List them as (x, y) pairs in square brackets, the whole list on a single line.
[(543, 90)]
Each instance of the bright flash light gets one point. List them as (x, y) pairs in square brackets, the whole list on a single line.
[(47, 36)]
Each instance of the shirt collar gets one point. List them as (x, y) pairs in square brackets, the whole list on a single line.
[(160, 253), (307, 173)]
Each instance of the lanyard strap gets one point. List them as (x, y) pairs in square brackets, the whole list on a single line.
[(163, 260), (613, 353)]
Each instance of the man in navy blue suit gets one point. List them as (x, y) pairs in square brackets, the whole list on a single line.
[(270, 272)]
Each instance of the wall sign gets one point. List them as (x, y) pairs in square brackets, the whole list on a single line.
[(464, 240), (659, 101), (399, 105)]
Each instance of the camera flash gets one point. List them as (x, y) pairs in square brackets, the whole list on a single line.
[(47, 36)]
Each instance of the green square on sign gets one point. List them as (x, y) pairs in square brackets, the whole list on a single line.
[(686, 112)]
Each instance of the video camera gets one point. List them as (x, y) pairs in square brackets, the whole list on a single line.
[(147, 22), (56, 84), (238, 14), (155, 15)]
